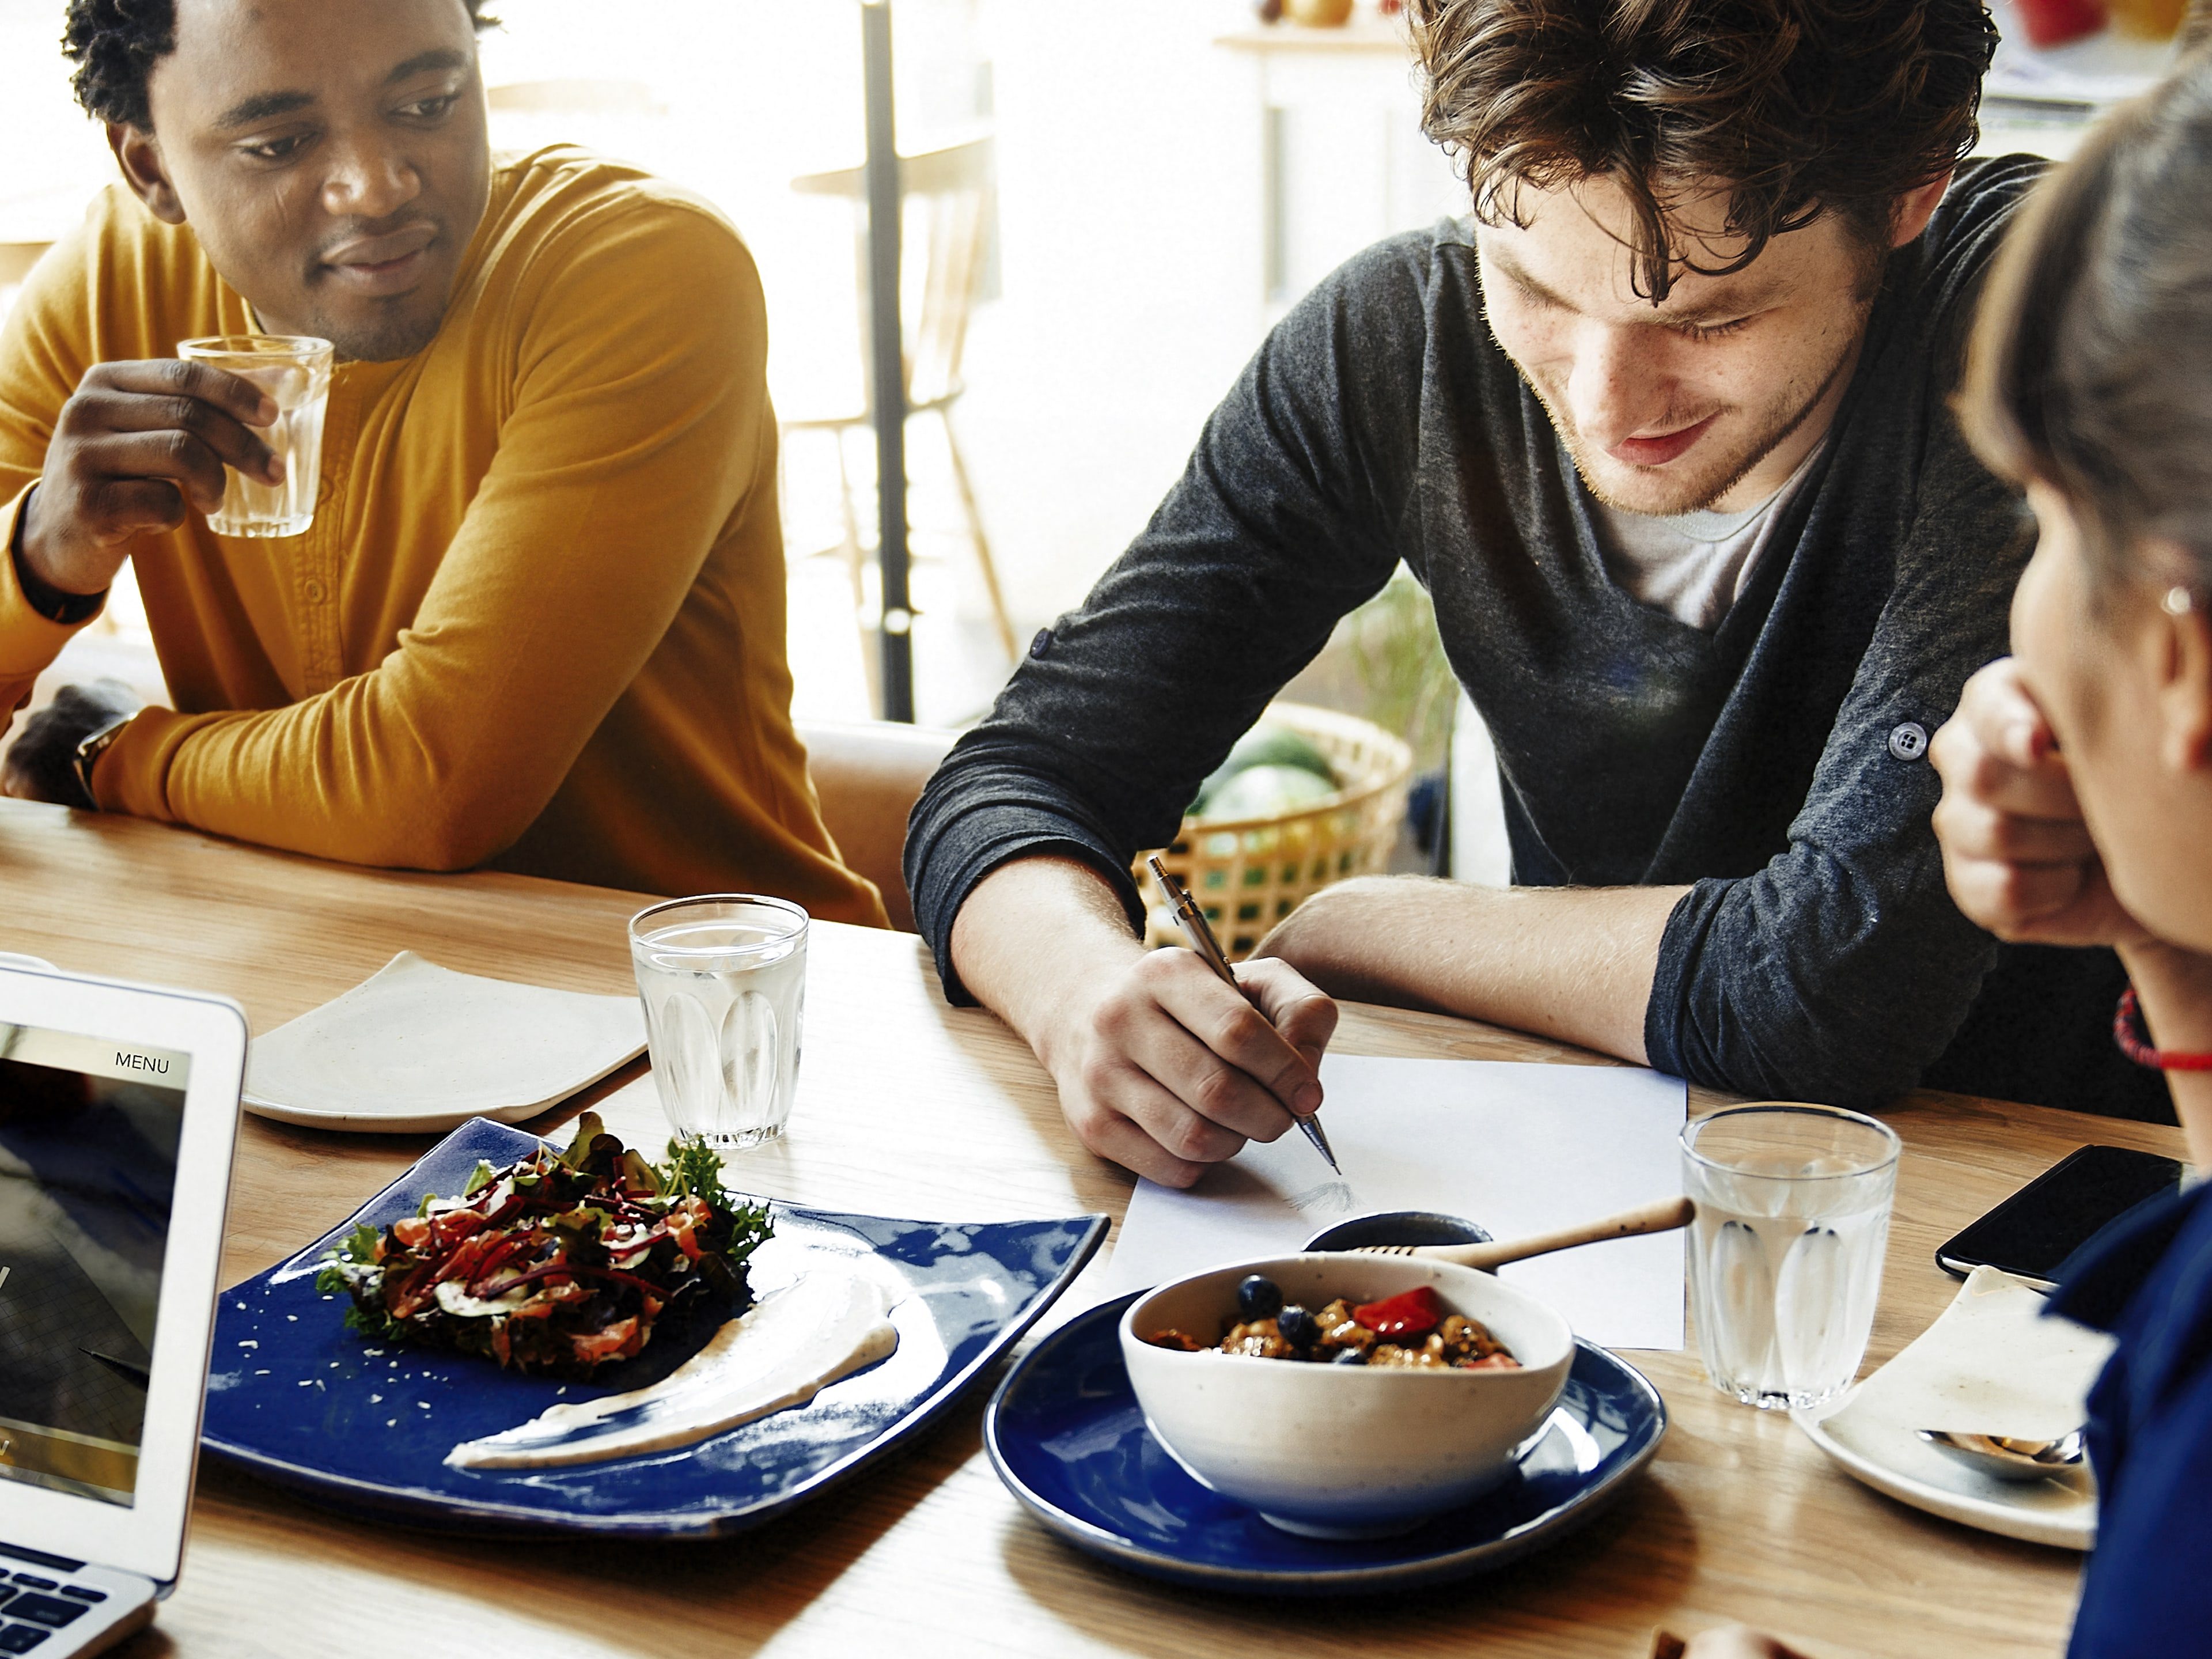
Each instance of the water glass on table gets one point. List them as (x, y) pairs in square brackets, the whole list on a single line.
[(1785, 1256), (723, 979), (295, 371)]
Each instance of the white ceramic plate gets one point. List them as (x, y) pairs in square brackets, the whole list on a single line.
[(419, 1048), (1897, 1463), (1991, 1364)]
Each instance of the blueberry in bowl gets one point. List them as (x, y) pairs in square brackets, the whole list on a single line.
[(1384, 1390)]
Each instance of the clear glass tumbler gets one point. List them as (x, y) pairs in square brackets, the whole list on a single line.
[(723, 979), (294, 370), (1786, 1252)]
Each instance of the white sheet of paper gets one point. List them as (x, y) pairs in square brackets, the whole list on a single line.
[(1518, 1149)]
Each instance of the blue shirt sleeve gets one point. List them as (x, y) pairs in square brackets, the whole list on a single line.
[(2150, 1433)]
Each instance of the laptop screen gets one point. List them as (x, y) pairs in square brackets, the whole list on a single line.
[(89, 1136)]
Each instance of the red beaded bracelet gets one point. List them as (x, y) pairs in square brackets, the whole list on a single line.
[(2134, 1042)]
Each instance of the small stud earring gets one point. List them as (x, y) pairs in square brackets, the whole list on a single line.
[(2179, 601)]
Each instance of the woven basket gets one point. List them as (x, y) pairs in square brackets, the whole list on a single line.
[(1247, 874)]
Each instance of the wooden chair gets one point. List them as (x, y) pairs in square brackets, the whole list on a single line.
[(948, 190), (867, 776)]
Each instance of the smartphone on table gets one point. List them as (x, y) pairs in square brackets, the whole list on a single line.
[(2034, 1230)]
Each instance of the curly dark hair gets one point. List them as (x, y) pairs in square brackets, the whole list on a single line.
[(116, 42), (1798, 106)]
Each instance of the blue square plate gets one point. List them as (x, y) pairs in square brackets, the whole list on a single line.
[(1066, 1436), (298, 1398)]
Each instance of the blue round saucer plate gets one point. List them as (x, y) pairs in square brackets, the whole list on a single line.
[(1065, 1434)]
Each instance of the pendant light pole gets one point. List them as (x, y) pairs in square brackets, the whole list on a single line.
[(887, 363)]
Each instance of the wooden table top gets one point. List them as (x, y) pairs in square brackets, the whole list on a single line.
[(908, 1107)]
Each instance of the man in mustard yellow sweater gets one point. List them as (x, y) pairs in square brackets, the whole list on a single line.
[(538, 619)]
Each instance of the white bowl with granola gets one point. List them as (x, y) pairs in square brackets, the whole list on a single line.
[(1344, 1395)]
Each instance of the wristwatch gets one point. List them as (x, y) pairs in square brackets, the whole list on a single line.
[(100, 740)]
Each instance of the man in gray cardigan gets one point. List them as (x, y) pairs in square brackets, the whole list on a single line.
[(1663, 429)]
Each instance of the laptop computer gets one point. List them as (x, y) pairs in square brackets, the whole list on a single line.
[(118, 1107)]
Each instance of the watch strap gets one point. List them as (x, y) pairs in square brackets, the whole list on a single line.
[(95, 743)]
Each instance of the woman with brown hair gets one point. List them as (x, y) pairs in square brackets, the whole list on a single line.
[(2077, 805)]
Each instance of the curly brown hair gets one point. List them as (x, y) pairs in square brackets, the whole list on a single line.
[(1797, 107)]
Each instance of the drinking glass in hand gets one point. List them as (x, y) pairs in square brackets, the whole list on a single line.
[(724, 982), (1786, 1257), (294, 370)]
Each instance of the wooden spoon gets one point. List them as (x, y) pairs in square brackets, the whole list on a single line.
[(1663, 1217)]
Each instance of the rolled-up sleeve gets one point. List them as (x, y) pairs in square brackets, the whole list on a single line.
[(1284, 521), (1841, 970)]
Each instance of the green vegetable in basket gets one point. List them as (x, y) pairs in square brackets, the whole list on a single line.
[(1266, 792), (1265, 744)]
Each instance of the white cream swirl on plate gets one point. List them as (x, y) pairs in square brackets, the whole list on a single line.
[(787, 1349)]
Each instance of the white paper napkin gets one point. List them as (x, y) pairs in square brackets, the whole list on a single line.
[(1992, 1363), (418, 1048)]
